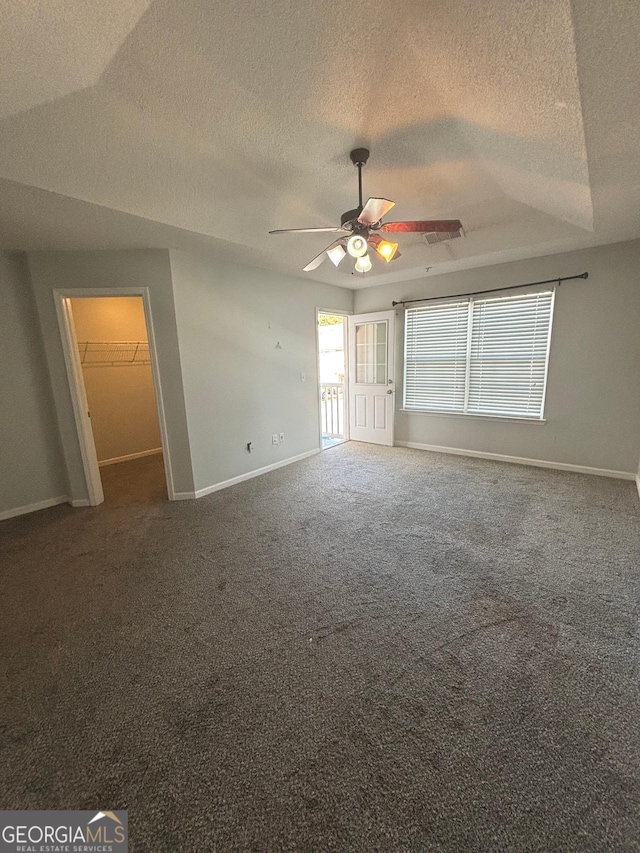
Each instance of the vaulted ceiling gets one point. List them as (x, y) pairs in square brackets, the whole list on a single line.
[(184, 123)]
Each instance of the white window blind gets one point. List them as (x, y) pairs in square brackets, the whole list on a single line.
[(435, 357), (479, 356)]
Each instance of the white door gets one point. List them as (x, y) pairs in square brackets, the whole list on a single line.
[(371, 396)]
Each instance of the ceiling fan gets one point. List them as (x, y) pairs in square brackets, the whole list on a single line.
[(364, 224)]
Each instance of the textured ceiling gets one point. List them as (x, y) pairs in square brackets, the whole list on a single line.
[(185, 123)]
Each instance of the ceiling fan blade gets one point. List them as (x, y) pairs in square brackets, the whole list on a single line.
[(423, 227), (304, 230), (374, 210), (315, 263)]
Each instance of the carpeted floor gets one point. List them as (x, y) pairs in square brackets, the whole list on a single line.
[(374, 649)]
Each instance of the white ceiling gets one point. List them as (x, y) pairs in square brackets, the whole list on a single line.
[(194, 124)]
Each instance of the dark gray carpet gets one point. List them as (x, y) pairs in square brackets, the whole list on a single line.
[(372, 650)]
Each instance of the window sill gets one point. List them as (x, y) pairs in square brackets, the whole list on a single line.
[(467, 415)]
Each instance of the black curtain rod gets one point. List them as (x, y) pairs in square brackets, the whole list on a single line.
[(558, 280)]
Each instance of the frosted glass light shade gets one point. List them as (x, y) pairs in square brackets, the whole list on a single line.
[(336, 254), (357, 246), (386, 250), (363, 264)]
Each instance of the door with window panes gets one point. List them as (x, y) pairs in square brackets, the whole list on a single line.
[(371, 377)]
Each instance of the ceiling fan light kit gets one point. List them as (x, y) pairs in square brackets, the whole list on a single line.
[(364, 221)]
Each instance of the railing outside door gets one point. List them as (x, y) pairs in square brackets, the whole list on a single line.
[(332, 409)]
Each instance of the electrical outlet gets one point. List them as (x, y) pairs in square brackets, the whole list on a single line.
[(281, 437), (274, 438)]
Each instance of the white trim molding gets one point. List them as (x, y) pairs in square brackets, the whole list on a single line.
[(638, 484), (23, 510), (207, 490), (115, 459), (520, 460), (78, 399)]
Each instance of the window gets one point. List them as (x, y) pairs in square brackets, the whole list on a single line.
[(479, 356), (371, 353)]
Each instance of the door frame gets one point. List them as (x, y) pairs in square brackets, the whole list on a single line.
[(345, 329), (62, 297)]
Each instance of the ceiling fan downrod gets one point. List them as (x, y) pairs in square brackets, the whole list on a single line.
[(349, 218), (359, 157)]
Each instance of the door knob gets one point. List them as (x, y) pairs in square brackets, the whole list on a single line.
[(389, 391)]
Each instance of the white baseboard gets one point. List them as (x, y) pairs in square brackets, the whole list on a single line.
[(80, 502), (115, 459), (520, 460), (200, 493), (23, 510), (638, 484)]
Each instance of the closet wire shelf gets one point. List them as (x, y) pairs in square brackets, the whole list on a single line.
[(113, 353)]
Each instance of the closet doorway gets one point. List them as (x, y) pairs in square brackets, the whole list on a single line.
[(114, 382)]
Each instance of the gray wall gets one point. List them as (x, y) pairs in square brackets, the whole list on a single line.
[(226, 382), (134, 268), (239, 386), (593, 393), (32, 463)]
